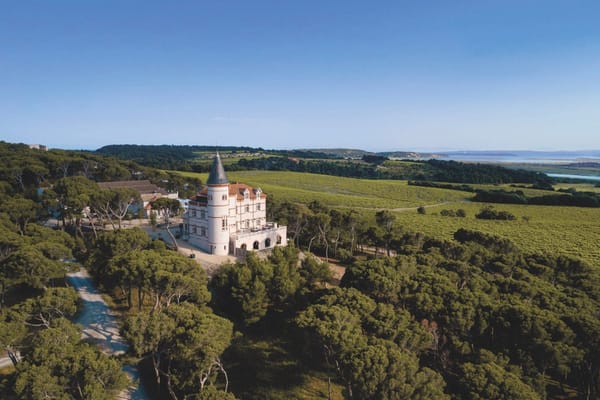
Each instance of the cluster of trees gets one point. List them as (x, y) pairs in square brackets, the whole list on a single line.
[(346, 168), (368, 347), (341, 234), (569, 197), (185, 158), (474, 315), (458, 172), (502, 322), (469, 318), (462, 187), (331, 232), (488, 212), (45, 348), (374, 159), (35, 305), (36, 185), (461, 213), (169, 321), (165, 156), (27, 169), (429, 170), (373, 349), (375, 166), (24, 171), (247, 291)]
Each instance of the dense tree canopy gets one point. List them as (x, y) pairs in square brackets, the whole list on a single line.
[(471, 317)]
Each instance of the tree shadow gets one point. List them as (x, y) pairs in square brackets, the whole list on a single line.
[(255, 367)]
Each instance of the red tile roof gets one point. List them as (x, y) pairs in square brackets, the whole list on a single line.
[(235, 189)]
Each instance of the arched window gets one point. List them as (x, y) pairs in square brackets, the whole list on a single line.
[(267, 242), (255, 245), (278, 239)]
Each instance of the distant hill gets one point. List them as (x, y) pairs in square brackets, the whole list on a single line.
[(184, 157), (358, 154), (341, 153), (339, 162), (410, 155)]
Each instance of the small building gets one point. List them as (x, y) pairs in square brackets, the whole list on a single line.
[(148, 191), (38, 147), (230, 218)]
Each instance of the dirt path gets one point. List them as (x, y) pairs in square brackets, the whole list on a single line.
[(403, 209), (100, 327), (5, 362)]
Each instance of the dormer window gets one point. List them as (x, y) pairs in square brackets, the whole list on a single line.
[(246, 194)]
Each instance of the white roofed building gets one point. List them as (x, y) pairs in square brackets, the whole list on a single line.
[(230, 218)]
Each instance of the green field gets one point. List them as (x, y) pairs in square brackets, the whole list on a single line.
[(580, 187), (557, 168), (573, 231), (342, 192)]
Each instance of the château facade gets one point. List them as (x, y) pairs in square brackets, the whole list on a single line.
[(230, 218)]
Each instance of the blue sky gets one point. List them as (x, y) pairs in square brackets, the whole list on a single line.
[(377, 75)]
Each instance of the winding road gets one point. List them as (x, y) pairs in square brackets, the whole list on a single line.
[(100, 327)]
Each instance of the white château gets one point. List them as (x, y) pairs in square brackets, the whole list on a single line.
[(230, 218)]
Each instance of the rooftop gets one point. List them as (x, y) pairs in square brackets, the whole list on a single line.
[(217, 174)]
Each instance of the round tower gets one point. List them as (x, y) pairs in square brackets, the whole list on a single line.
[(218, 209)]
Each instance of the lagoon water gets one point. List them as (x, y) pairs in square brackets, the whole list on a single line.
[(558, 158), (535, 157), (570, 176)]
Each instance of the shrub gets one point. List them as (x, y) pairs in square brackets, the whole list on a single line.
[(489, 213)]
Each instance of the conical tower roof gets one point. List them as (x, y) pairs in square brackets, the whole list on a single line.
[(217, 174)]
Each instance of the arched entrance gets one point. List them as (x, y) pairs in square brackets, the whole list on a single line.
[(255, 245), (278, 239), (267, 242), (243, 247)]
